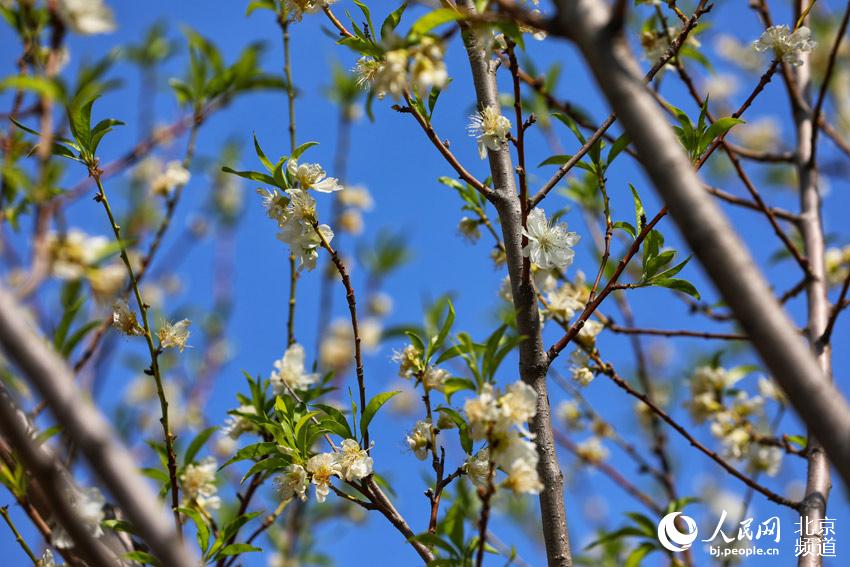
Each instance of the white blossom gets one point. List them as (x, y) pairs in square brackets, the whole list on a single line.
[(88, 504), (483, 413), (124, 319), (356, 196), (490, 128), (174, 176), (519, 403), (174, 335), (564, 302), (312, 176), (289, 371), (274, 203), (523, 478), (292, 482), (477, 468), (87, 17), (419, 440), (579, 368), (468, 228), (298, 228), (390, 75), (237, 424), (322, 468), (428, 68), (74, 253), (354, 462), (198, 482), (592, 450), (295, 9), (549, 246), (569, 412), (47, 559), (787, 45), (409, 361), (435, 378), (765, 459)]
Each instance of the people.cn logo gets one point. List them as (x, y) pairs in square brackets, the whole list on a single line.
[(670, 536)]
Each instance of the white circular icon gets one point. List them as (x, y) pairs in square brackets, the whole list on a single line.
[(670, 536)]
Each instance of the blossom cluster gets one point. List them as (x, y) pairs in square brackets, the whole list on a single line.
[(351, 463), (420, 66), (500, 420), (550, 246), (733, 414), (199, 484), (787, 45), (295, 212)]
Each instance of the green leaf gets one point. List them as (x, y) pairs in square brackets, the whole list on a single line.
[(798, 440), (555, 160), (392, 21), (637, 554), (367, 14), (237, 548), (571, 124), (372, 408), (627, 227), (667, 274), (619, 145), (196, 444), (259, 5), (657, 262), (338, 420), (263, 159), (252, 175), (628, 531), (361, 46), (252, 452), (40, 85), (296, 153), (438, 341), (201, 528), (100, 130), (679, 285), (433, 19), (142, 557), (640, 213), (462, 426)]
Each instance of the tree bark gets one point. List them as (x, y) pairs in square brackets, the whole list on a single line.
[(706, 229), (533, 361), (90, 431), (818, 483)]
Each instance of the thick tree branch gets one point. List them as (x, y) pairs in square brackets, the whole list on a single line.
[(533, 363), (707, 231), (90, 431)]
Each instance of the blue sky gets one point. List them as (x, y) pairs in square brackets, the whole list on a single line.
[(400, 167)]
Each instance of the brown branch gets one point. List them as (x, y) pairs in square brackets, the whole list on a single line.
[(677, 333), (610, 286), (89, 430), (707, 231), (443, 148), (352, 309), (613, 474), (827, 76), (608, 370), (735, 200), (668, 55)]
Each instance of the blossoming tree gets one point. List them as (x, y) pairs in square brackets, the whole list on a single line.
[(504, 430)]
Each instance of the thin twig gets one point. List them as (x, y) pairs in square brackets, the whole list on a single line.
[(4, 511)]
